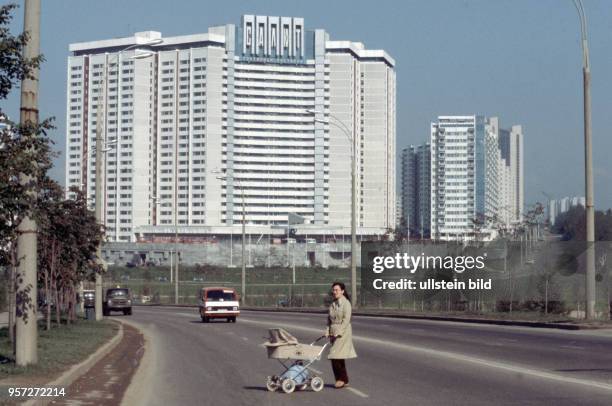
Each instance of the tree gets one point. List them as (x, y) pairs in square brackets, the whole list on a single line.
[(68, 237), (571, 224)]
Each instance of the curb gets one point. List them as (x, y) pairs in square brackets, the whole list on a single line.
[(136, 390), (76, 371), (518, 323)]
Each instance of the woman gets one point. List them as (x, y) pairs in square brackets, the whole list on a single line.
[(340, 333)]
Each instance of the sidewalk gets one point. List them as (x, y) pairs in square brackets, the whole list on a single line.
[(106, 381)]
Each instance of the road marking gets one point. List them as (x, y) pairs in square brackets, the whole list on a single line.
[(456, 357), (357, 392), (572, 347), (244, 338)]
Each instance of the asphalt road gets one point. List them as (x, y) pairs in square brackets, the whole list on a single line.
[(403, 362)]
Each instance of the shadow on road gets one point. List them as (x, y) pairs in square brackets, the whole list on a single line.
[(260, 388)]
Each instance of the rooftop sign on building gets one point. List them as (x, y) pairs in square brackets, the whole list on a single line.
[(272, 37)]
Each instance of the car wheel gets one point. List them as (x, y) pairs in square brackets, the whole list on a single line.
[(233, 319), (129, 311), (229, 320)]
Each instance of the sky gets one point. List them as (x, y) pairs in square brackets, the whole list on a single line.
[(519, 60)]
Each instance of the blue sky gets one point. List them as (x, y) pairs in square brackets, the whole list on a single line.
[(519, 60)]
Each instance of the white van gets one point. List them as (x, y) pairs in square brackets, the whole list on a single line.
[(219, 303)]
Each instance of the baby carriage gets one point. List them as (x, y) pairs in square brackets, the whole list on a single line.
[(296, 358)]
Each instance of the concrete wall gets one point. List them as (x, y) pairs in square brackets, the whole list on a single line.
[(258, 254)]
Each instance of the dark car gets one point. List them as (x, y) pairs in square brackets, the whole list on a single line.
[(117, 300), (89, 298)]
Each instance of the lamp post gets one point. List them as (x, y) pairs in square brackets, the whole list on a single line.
[(99, 150), (173, 251), (243, 267), (352, 142), (588, 168)]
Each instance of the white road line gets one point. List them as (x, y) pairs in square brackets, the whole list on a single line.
[(357, 392), (572, 347), (455, 357)]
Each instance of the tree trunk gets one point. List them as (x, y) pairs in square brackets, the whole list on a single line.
[(11, 296), (546, 297), (57, 303)]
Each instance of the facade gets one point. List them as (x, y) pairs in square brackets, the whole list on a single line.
[(511, 148), (416, 190), (260, 116), (476, 177)]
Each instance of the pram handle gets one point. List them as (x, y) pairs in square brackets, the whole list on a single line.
[(317, 340)]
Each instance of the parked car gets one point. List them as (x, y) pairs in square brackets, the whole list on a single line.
[(117, 300), (218, 303), (198, 279), (89, 298), (144, 299)]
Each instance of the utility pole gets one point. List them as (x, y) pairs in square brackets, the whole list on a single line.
[(353, 139), (26, 346), (588, 169), (243, 273), (98, 198)]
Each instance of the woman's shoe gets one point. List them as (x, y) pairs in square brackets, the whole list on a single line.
[(339, 384)]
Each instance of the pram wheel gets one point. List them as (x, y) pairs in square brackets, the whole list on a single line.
[(317, 384), (271, 385), (288, 385)]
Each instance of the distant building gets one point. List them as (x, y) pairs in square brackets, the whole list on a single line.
[(559, 206), (476, 177), (416, 190), (271, 105)]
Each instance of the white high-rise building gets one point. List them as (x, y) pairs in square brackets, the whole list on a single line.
[(511, 148), (471, 182), (271, 106)]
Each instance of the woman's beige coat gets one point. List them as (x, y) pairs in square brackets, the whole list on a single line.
[(339, 324)]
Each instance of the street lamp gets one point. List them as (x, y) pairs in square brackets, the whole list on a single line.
[(590, 288), (352, 142), (173, 252), (243, 272), (99, 151)]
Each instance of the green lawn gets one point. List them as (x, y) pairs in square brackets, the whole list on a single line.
[(58, 349)]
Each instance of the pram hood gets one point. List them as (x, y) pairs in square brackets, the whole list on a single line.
[(278, 337)]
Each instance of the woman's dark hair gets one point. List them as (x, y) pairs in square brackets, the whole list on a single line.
[(341, 285)]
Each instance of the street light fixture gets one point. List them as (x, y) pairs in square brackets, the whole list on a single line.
[(243, 267), (352, 142), (99, 151), (590, 288)]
